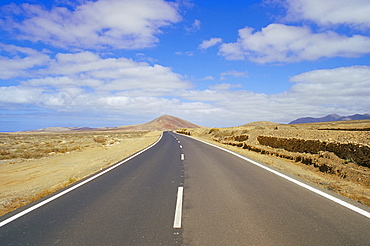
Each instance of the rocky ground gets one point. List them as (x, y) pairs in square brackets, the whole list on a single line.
[(334, 155), (33, 165)]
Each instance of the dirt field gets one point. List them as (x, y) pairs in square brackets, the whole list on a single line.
[(333, 155), (33, 165)]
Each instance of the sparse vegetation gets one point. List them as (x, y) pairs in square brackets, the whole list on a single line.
[(214, 131), (100, 139), (37, 145), (34, 165)]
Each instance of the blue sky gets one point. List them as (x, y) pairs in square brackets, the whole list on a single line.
[(214, 63)]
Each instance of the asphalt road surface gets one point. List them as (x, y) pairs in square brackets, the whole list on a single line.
[(184, 192)]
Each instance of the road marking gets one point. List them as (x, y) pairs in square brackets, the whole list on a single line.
[(180, 146), (308, 187), (178, 211), (30, 209), (182, 157)]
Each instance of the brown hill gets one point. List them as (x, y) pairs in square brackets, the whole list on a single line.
[(163, 123)]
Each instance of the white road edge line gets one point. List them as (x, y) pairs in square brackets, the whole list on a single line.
[(178, 211), (308, 187), (24, 212)]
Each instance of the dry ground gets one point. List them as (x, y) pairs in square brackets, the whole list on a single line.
[(33, 165), (333, 155)]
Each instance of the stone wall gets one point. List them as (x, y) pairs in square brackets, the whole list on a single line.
[(360, 154)]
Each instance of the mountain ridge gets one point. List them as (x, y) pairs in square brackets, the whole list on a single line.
[(330, 117), (162, 123)]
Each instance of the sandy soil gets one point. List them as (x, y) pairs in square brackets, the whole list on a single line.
[(25, 180)]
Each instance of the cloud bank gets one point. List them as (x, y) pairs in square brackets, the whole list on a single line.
[(129, 24), (84, 82), (84, 76), (354, 13), (282, 43)]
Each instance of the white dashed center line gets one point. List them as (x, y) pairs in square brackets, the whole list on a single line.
[(178, 211)]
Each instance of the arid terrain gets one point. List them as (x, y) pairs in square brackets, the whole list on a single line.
[(34, 164), (333, 155)]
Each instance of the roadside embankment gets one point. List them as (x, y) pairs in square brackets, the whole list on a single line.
[(336, 159)]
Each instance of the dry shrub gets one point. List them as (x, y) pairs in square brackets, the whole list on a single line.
[(100, 139), (38, 145)]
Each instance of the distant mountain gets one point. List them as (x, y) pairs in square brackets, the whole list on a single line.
[(163, 123), (62, 129), (330, 117)]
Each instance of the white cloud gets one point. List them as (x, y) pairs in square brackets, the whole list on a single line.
[(194, 27), (186, 53), (128, 24), (359, 75), (144, 58), (234, 73), (109, 74), (61, 82), (20, 94), (82, 81), (330, 12), (146, 78), (342, 90), (317, 93), (334, 85), (224, 86), (19, 60), (282, 43), (209, 77), (152, 105), (209, 43)]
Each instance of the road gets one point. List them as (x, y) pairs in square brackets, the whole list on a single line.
[(226, 200)]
